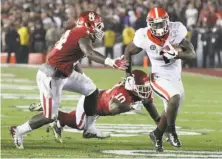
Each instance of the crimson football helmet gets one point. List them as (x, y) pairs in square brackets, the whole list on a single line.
[(93, 22), (142, 87), (158, 21)]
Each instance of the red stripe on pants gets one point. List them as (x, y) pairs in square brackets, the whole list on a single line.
[(50, 108), (163, 91), (44, 106), (81, 120)]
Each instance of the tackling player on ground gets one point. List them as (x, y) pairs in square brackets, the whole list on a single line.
[(110, 102), (166, 46), (58, 73)]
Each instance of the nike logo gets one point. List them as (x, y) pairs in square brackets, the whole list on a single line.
[(172, 54)]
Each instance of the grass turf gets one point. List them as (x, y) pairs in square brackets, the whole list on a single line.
[(201, 113)]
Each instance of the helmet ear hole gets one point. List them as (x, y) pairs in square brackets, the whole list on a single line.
[(88, 25)]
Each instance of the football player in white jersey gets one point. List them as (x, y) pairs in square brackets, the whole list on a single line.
[(166, 46)]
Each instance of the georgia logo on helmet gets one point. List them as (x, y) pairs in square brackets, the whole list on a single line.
[(142, 84), (158, 21), (93, 22)]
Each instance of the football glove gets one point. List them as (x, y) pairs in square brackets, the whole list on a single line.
[(170, 54), (130, 83), (117, 63)]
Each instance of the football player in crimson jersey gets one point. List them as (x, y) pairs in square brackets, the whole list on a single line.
[(166, 45), (110, 102), (58, 73)]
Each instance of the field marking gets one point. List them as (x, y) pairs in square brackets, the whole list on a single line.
[(129, 130), (167, 153), (16, 80), (201, 75), (184, 73), (202, 113), (18, 87), (37, 154), (7, 75), (20, 65), (73, 97)]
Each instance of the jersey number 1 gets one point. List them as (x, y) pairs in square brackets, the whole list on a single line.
[(120, 97), (62, 40)]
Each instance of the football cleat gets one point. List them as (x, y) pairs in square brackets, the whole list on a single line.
[(173, 139), (57, 131), (157, 142), (35, 107), (18, 139), (95, 133)]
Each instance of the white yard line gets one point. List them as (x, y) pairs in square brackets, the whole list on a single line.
[(167, 153), (18, 87), (7, 75), (37, 66), (17, 80), (201, 75), (35, 96), (19, 65)]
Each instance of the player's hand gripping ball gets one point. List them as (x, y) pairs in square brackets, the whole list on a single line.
[(171, 51)]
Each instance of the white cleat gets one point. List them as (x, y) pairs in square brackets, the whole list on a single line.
[(93, 132), (18, 139)]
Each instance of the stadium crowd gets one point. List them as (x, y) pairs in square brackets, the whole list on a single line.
[(35, 25)]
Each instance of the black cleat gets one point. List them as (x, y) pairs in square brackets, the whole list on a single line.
[(173, 139), (57, 131), (157, 142), (35, 107)]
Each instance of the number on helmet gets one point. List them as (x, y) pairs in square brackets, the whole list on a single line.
[(91, 16)]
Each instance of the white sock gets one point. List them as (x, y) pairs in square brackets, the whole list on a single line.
[(24, 128), (90, 120), (58, 124)]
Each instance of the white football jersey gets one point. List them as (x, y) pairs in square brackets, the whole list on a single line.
[(170, 69)]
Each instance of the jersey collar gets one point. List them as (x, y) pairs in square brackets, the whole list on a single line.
[(156, 40)]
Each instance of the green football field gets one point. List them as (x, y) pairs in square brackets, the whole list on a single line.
[(199, 122)]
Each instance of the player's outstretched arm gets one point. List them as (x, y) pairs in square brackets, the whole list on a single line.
[(85, 45), (131, 49), (187, 52)]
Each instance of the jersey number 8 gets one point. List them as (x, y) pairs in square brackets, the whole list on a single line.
[(62, 40)]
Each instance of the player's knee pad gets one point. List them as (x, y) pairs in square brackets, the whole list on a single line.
[(90, 103), (90, 88)]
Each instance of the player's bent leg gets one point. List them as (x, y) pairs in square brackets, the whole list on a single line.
[(50, 92), (80, 83), (170, 94), (90, 105)]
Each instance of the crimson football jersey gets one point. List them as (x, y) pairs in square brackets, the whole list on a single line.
[(120, 93), (66, 51)]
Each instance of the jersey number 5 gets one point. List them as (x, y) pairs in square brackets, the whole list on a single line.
[(62, 40)]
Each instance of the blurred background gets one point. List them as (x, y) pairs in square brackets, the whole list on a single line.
[(30, 28)]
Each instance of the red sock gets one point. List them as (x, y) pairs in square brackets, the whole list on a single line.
[(68, 119)]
